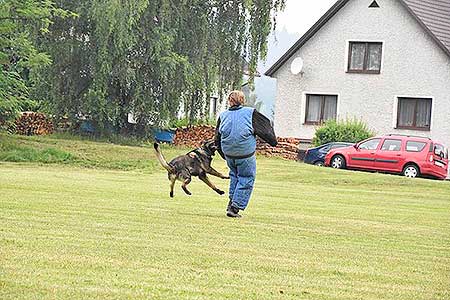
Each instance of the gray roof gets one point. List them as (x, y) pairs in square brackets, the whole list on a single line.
[(435, 15), (432, 15)]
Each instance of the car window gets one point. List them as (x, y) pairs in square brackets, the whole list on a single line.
[(391, 145), (440, 151), (370, 144), (335, 146), (325, 149), (415, 146)]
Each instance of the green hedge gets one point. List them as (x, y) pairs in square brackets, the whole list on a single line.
[(351, 131)]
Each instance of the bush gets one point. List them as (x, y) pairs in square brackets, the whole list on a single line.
[(351, 131)]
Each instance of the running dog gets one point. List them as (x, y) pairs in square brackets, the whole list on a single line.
[(195, 163)]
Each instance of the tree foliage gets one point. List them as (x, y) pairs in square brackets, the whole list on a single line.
[(150, 58), (21, 22)]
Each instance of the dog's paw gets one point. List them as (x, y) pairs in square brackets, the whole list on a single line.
[(220, 192), (171, 194)]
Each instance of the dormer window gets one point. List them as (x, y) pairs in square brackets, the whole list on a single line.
[(364, 57)]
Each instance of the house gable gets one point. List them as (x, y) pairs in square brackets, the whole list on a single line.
[(411, 66), (436, 24)]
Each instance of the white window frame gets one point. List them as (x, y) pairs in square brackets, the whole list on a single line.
[(395, 112), (347, 56)]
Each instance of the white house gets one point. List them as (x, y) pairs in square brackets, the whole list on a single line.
[(386, 62)]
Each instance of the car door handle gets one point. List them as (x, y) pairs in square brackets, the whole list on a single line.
[(398, 154), (372, 152)]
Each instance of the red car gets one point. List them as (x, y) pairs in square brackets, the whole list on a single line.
[(408, 155)]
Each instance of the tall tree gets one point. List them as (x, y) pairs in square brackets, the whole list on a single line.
[(20, 23), (151, 58)]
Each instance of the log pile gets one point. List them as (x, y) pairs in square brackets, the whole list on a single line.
[(63, 124), (32, 123), (193, 137), (287, 148)]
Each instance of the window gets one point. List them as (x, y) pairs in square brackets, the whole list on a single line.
[(335, 146), (414, 113), (320, 108), (391, 145), (325, 149), (440, 150), (364, 57), (369, 145), (415, 146)]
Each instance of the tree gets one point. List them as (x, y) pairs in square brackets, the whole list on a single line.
[(20, 23), (150, 58)]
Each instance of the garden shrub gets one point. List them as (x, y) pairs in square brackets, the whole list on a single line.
[(351, 131)]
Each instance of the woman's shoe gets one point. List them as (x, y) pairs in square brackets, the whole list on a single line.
[(233, 212)]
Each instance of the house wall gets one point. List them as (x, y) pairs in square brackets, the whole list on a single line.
[(412, 65)]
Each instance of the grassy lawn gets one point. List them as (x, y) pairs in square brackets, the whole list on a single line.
[(110, 231)]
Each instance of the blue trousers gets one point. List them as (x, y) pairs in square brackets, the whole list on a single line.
[(242, 179)]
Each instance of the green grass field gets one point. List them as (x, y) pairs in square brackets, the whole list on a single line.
[(93, 220)]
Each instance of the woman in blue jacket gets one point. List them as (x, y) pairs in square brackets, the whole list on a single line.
[(236, 133)]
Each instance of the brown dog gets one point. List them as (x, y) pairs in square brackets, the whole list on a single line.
[(194, 163)]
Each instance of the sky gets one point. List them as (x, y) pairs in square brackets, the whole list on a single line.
[(292, 23), (300, 15)]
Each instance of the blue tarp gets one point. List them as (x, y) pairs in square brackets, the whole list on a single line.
[(162, 135)]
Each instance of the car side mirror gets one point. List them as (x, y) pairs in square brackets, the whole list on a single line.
[(355, 146)]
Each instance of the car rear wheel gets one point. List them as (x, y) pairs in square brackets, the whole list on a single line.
[(338, 162), (319, 163), (411, 171)]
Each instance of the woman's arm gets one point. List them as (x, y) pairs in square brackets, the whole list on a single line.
[(263, 128)]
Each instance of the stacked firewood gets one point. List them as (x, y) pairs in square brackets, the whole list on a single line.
[(32, 123), (63, 124), (287, 148), (193, 137)]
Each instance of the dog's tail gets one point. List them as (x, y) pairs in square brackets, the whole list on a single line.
[(162, 159)]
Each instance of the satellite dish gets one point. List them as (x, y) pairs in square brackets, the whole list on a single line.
[(297, 66)]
